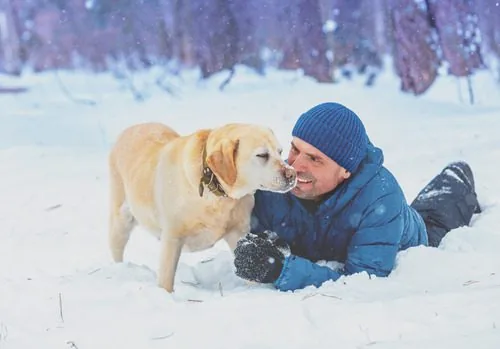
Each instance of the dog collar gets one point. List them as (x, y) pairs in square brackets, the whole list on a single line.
[(209, 179)]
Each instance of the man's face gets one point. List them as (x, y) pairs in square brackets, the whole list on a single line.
[(317, 174)]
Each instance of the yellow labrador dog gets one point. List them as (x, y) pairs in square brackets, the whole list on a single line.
[(193, 190)]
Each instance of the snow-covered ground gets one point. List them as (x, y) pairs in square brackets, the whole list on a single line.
[(59, 288)]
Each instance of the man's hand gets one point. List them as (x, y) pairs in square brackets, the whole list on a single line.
[(259, 257)]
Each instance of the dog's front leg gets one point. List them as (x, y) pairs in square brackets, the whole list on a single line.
[(233, 237), (240, 221), (169, 258)]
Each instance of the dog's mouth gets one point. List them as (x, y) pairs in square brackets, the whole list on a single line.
[(290, 184), (281, 185)]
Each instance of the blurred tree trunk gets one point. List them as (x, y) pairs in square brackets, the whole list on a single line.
[(151, 37), (312, 42), (134, 32), (10, 61), (132, 45), (489, 21), (415, 57), (488, 12), (346, 35), (305, 42), (382, 27), (271, 31), (355, 36), (215, 35), (457, 25), (178, 23), (182, 50), (247, 19), (289, 31), (24, 16)]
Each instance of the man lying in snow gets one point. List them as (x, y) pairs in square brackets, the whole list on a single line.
[(347, 207)]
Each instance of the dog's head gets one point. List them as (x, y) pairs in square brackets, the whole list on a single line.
[(247, 157)]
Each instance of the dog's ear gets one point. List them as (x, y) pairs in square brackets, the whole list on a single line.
[(222, 161)]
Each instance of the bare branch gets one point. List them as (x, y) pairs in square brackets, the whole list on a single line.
[(329, 296), (310, 295), (195, 300), (220, 289), (228, 79), (72, 344), (207, 260), (61, 308), (163, 337), (190, 283), (3, 332), (53, 207), (68, 94)]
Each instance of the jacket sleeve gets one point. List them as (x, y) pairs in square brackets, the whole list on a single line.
[(373, 248), (299, 272)]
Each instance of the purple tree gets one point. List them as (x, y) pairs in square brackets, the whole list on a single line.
[(355, 37), (288, 43), (10, 40), (305, 44), (312, 42), (178, 20), (246, 14), (346, 35), (215, 35), (457, 25), (414, 51), (488, 12), (141, 28), (274, 32)]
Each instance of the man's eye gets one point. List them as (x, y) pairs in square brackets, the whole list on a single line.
[(264, 156)]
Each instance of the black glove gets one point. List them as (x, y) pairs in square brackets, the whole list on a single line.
[(259, 257)]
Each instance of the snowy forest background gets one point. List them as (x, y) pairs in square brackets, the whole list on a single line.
[(329, 40)]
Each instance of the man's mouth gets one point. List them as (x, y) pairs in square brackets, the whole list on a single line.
[(303, 180)]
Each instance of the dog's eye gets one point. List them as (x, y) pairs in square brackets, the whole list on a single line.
[(263, 155)]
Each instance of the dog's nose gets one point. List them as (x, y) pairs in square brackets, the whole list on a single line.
[(289, 173)]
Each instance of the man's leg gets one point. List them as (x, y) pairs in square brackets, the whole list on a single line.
[(448, 201)]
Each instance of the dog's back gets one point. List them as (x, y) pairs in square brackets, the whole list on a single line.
[(140, 144)]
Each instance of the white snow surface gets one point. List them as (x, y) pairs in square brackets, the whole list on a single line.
[(60, 289)]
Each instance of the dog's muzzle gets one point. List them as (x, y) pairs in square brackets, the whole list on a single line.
[(290, 176)]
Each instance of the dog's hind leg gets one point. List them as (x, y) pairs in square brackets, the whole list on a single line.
[(121, 220)]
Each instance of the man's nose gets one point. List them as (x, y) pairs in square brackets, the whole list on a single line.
[(297, 162)]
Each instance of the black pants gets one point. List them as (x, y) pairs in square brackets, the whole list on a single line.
[(448, 201)]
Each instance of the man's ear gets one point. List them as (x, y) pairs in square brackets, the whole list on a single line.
[(222, 161), (345, 174)]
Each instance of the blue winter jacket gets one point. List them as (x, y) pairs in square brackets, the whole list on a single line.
[(363, 224)]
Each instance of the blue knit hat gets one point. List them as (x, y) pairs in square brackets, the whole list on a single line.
[(336, 131)]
